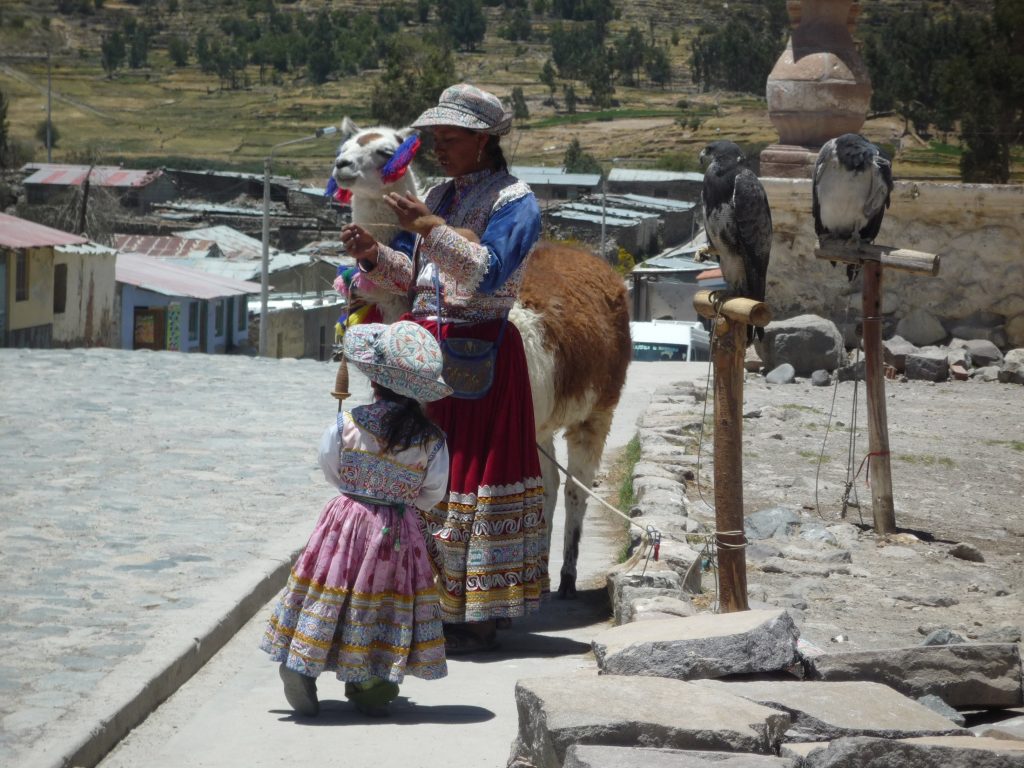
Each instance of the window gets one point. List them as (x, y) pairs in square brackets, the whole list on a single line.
[(193, 321), (21, 277), (60, 288), (218, 319)]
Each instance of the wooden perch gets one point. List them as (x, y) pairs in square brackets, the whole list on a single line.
[(742, 310), (902, 259)]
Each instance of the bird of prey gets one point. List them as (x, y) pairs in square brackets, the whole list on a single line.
[(737, 221), (851, 189)]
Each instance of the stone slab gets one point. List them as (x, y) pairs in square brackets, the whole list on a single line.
[(955, 752), (963, 675), (611, 710), (706, 645), (824, 711), (589, 756)]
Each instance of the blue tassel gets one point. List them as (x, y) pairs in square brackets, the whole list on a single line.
[(396, 167)]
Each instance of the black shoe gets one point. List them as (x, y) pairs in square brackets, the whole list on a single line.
[(300, 691)]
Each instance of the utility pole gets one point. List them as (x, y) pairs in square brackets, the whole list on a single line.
[(49, 89)]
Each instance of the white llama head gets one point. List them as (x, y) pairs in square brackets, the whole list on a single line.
[(361, 155)]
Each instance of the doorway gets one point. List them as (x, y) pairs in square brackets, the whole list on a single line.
[(149, 328)]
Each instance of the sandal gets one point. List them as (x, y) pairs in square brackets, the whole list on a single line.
[(463, 642)]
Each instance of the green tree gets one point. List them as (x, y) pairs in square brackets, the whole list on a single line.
[(178, 50), (578, 161), (464, 21), (41, 133), (656, 63), (112, 53), (547, 76), (320, 60), (516, 25), (416, 71), (203, 55), (739, 54), (138, 47), (629, 55), (599, 81), (519, 109), (569, 94), (4, 128)]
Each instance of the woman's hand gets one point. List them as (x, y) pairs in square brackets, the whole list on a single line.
[(413, 216), (360, 244)]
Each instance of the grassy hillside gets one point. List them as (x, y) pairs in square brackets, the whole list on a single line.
[(163, 114)]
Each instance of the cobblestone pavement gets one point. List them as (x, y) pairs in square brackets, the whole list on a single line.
[(141, 496), (151, 503)]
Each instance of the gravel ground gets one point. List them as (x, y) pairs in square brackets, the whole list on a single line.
[(957, 458)]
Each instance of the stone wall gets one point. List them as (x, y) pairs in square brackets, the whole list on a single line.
[(977, 230)]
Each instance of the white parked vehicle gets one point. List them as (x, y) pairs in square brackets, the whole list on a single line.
[(670, 340)]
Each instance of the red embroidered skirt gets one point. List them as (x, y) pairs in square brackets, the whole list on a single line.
[(491, 536)]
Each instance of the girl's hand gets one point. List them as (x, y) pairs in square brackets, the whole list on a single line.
[(360, 244), (411, 213)]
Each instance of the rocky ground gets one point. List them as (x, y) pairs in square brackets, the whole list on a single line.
[(958, 477)]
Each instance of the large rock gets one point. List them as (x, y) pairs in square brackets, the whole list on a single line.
[(771, 522), (895, 351), (954, 752), (969, 675), (823, 711), (982, 351), (586, 756), (1012, 369), (927, 365), (807, 342), (706, 645), (921, 327), (557, 712)]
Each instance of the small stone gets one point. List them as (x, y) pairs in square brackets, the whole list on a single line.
[(784, 374), (967, 552), (944, 637), (936, 704), (821, 378)]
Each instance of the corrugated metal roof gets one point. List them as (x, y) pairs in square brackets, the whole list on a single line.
[(232, 243), (537, 170), (224, 210), (100, 175), (86, 249), (655, 202), (247, 269), (540, 176), (636, 174), (679, 258), (610, 211), (176, 280), (166, 246), (21, 233), (609, 219)]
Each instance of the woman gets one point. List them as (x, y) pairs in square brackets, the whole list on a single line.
[(489, 528)]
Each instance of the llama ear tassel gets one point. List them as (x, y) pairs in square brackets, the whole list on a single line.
[(396, 167)]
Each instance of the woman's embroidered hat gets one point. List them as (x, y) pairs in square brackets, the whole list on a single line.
[(466, 106), (403, 357)]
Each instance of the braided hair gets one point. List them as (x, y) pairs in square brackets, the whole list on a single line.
[(407, 424)]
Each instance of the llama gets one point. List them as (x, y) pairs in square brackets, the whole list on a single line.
[(573, 316)]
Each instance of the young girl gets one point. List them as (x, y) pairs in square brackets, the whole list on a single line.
[(361, 600)]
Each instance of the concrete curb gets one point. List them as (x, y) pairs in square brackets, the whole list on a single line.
[(88, 750)]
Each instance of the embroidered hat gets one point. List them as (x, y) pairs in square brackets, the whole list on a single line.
[(403, 357), (466, 106)]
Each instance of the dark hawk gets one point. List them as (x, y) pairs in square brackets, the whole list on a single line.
[(737, 220), (851, 190)]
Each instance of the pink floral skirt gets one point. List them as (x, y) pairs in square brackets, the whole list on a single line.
[(361, 600)]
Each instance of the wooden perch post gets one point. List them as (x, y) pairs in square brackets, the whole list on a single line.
[(872, 259), (730, 346)]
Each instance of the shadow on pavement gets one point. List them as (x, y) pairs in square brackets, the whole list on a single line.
[(403, 712)]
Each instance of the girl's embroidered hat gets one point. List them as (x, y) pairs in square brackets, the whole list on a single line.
[(403, 357), (466, 106)]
